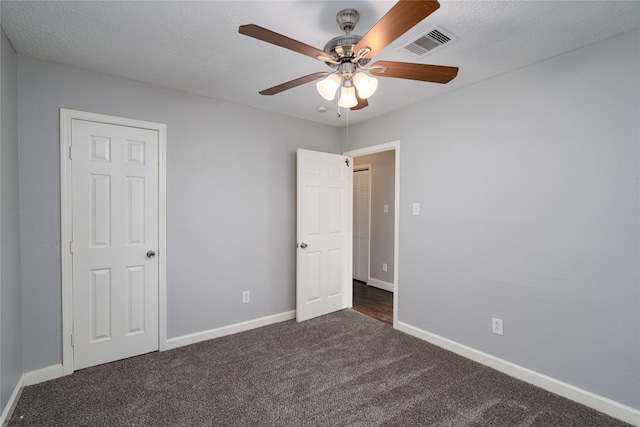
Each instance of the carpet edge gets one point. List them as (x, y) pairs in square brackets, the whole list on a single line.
[(584, 397), (222, 331)]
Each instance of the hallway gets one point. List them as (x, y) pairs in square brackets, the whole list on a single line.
[(373, 302)]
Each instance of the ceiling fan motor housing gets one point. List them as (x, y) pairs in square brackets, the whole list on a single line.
[(341, 47)]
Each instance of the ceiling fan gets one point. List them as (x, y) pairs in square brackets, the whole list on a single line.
[(348, 55)]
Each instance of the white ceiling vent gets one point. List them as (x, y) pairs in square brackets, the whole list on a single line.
[(427, 42)]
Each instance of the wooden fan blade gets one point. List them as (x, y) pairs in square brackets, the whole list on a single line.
[(400, 19), (269, 36), (293, 83), (422, 72), (361, 103)]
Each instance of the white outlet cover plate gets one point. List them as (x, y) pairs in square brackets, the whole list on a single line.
[(497, 326)]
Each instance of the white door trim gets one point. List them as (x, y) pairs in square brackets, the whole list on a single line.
[(66, 226), (394, 145)]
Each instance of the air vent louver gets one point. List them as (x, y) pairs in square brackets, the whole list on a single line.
[(429, 41)]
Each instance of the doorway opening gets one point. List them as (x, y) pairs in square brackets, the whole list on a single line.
[(373, 302), (375, 231)]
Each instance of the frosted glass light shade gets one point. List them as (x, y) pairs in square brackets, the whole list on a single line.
[(348, 97), (327, 87), (366, 85)]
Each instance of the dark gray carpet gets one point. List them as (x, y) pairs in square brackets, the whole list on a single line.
[(343, 369)]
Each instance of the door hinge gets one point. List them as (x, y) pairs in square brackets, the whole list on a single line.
[(71, 246), (73, 340), (70, 153)]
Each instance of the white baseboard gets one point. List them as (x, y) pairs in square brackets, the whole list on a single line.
[(27, 379), (599, 403), (381, 284), (228, 330), (44, 374), (57, 371), (13, 401)]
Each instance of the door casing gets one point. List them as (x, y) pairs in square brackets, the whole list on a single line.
[(66, 226), (394, 145)]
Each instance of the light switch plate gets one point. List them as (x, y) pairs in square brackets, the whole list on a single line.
[(416, 208)]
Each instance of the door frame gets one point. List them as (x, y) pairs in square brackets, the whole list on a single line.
[(66, 224), (389, 146)]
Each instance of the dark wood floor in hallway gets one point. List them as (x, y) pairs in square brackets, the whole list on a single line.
[(373, 302)]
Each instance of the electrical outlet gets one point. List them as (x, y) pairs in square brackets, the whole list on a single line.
[(497, 326), (245, 297), (384, 266)]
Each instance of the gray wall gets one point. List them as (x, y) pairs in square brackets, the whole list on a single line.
[(529, 188), (382, 224), (230, 200), (10, 294)]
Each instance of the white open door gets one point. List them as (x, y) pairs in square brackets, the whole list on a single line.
[(323, 257)]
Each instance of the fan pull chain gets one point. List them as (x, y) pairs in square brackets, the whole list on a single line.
[(347, 148)]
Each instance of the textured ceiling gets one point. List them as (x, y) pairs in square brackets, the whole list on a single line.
[(195, 46)]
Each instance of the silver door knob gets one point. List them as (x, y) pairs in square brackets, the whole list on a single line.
[(151, 254), (303, 245)]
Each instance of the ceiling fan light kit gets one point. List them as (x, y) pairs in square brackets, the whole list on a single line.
[(349, 55), (366, 85), (327, 87), (348, 97)]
